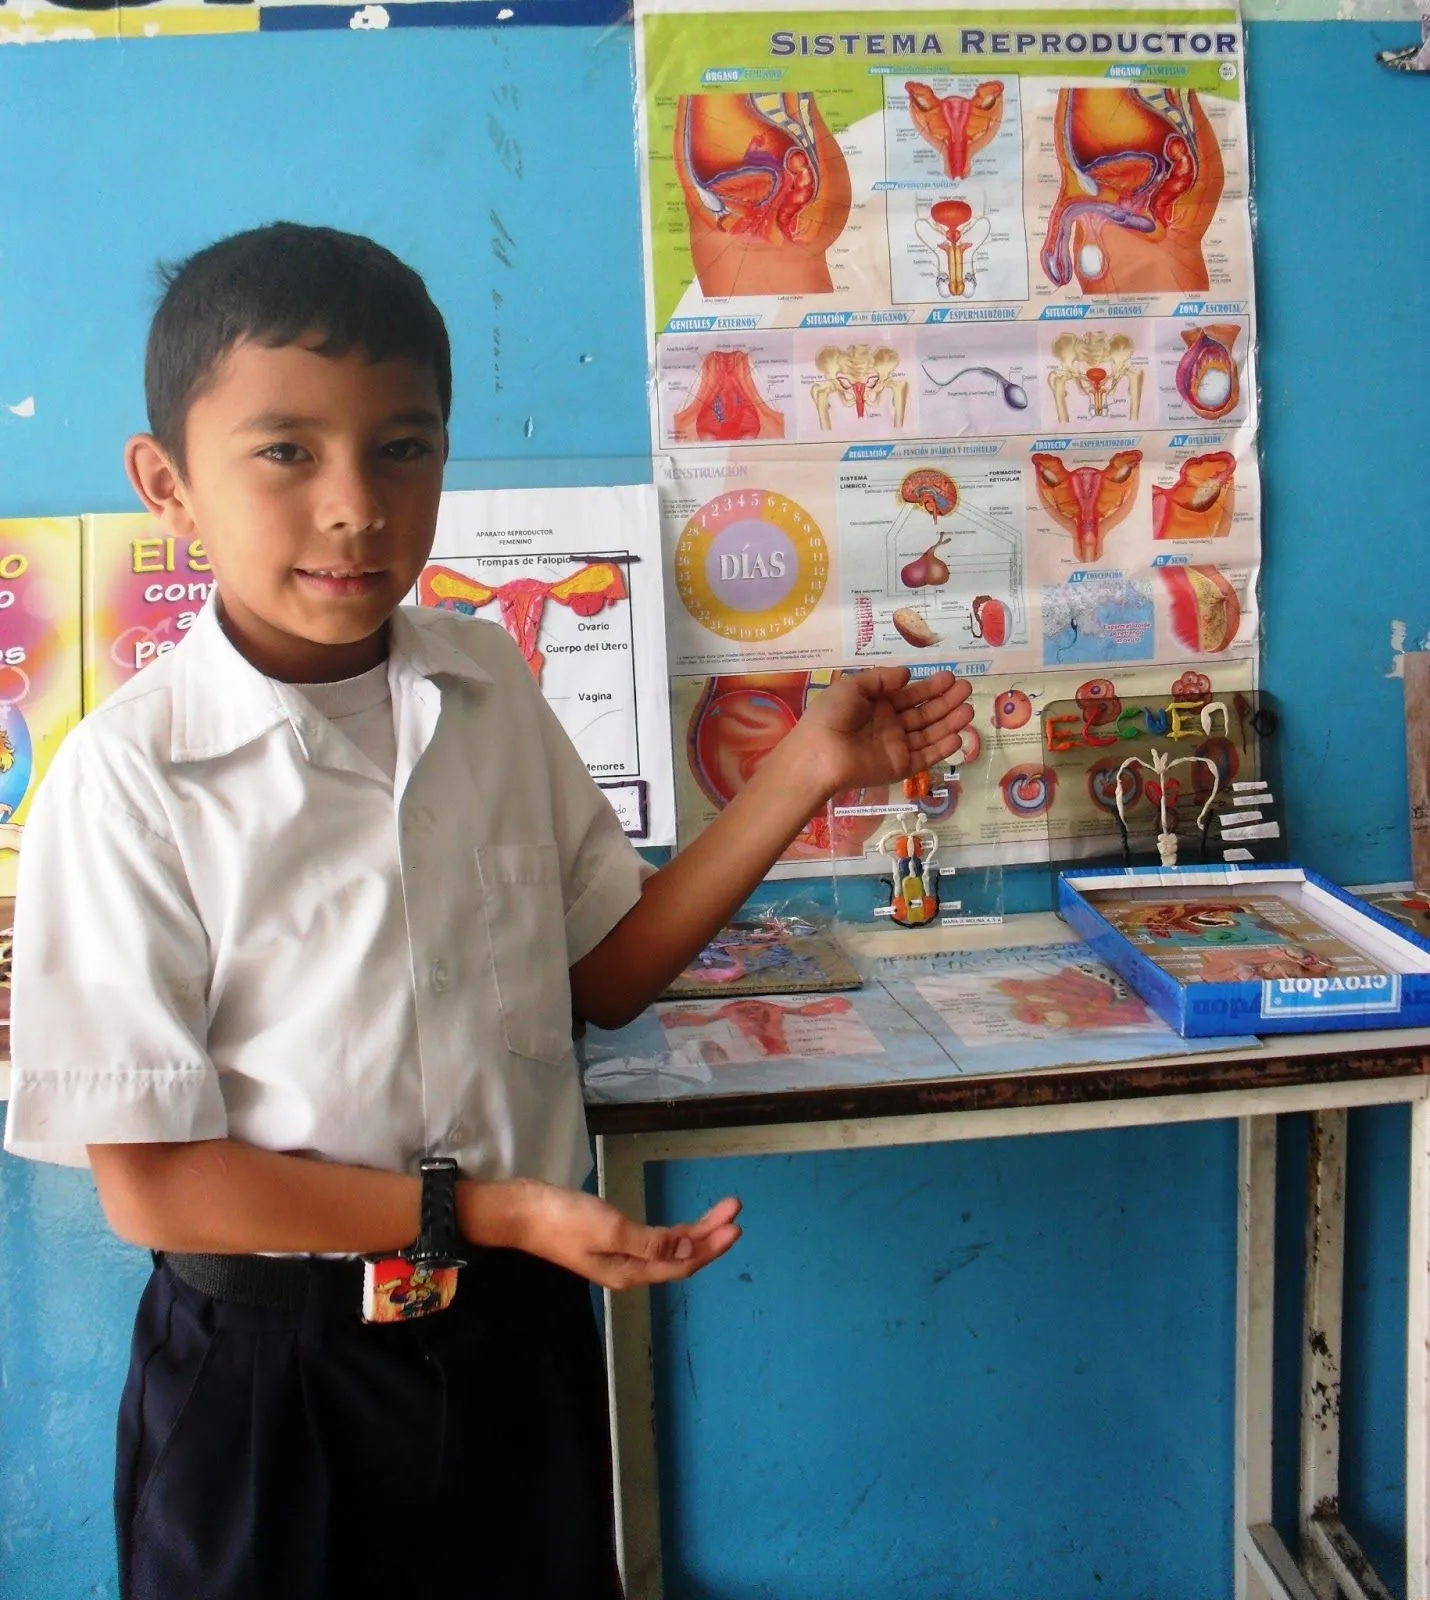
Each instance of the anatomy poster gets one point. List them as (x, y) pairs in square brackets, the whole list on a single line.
[(953, 359), (1008, 798), (574, 576)]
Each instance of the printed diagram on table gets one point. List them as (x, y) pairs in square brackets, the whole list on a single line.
[(766, 191), (1250, 939), (735, 1031), (1140, 175), (931, 559)]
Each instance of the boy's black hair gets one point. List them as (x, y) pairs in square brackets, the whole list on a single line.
[(279, 285)]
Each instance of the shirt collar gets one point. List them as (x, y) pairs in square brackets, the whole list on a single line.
[(222, 702)]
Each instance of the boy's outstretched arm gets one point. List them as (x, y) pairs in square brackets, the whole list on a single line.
[(226, 1197), (866, 729)]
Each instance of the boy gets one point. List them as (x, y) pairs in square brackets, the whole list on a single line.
[(316, 897)]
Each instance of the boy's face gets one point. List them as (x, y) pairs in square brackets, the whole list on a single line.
[(313, 482)]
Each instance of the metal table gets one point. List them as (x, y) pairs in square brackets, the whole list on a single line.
[(1323, 1074)]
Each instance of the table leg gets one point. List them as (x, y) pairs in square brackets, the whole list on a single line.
[(620, 1173), (1417, 1398), (1321, 1342), (1331, 1560), (1264, 1569)]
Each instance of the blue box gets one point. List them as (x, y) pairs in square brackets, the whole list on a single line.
[(1397, 998)]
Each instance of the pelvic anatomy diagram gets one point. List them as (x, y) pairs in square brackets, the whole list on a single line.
[(958, 126), (1088, 502), (953, 234), (1095, 365), (588, 590), (1140, 175), (766, 190), (859, 377), (727, 406)]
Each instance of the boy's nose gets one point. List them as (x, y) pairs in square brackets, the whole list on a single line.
[(351, 501)]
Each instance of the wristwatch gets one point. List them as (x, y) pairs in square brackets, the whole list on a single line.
[(439, 1242)]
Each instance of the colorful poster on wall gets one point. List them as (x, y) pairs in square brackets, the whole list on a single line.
[(143, 589), (574, 576), (39, 664), (953, 353), (59, 21)]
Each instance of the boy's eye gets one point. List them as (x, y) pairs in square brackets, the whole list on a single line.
[(406, 449), (285, 454)]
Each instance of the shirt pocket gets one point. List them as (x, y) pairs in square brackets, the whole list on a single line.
[(526, 928)]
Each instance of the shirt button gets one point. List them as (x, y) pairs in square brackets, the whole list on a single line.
[(441, 977)]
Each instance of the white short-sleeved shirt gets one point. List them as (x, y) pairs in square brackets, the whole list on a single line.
[(230, 922)]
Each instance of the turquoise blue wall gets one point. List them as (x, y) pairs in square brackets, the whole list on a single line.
[(991, 1371)]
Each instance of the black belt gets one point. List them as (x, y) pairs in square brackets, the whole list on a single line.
[(276, 1283)]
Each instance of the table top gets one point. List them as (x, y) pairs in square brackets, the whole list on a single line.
[(1280, 1061)]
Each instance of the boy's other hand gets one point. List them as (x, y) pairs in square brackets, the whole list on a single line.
[(880, 726), (588, 1236)]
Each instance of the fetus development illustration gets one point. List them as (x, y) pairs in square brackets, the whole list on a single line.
[(727, 406), (1088, 502), (1140, 175), (1200, 504), (766, 190), (588, 590), (736, 722), (953, 233), (958, 126), (1207, 377), (1095, 365), (859, 378)]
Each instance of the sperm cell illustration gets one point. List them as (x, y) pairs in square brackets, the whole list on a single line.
[(1015, 396)]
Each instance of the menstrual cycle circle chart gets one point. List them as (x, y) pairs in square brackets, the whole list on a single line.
[(751, 566)]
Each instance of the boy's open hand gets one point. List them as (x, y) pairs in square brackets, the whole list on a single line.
[(880, 726), (586, 1235)]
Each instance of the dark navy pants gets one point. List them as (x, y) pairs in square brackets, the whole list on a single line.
[(272, 1455)]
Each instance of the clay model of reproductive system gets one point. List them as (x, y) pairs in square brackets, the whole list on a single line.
[(1207, 378), (1096, 364), (859, 377), (1199, 505), (766, 189), (953, 233), (523, 600), (1140, 175), (726, 405), (958, 126), (1088, 502)]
